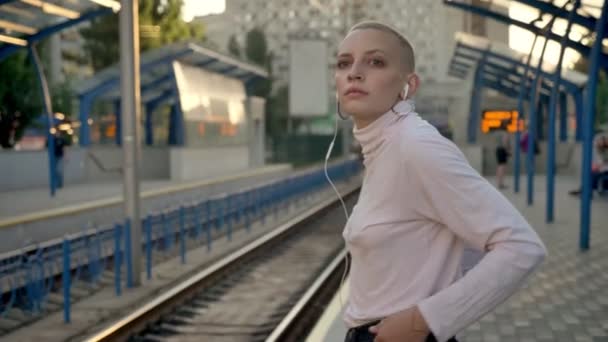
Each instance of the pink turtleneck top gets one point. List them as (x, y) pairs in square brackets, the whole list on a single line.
[(420, 204)]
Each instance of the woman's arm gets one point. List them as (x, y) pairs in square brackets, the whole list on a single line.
[(453, 193)]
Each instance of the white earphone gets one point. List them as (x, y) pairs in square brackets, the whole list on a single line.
[(406, 90)]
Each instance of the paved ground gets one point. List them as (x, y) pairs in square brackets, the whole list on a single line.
[(567, 298)]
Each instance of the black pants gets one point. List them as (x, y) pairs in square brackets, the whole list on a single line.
[(362, 334)]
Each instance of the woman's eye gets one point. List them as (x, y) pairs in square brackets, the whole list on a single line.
[(342, 64), (377, 62)]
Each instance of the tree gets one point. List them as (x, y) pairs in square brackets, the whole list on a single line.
[(160, 24), (233, 47), (19, 98), (277, 110), (256, 51)]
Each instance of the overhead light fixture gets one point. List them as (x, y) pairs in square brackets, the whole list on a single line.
[(59, 116), (13, 40), (53, 9), (64, 127), (8, 25), (114, 5)]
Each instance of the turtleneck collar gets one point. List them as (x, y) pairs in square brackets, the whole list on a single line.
[(373, 136)]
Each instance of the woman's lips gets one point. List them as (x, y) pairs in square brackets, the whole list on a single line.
[(355, 93)]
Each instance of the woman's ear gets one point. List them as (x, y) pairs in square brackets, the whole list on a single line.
[(413, 82)]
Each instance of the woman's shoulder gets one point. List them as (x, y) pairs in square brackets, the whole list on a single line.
[(421, 143)]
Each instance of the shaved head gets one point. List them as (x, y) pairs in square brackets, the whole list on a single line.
[(406, 49)]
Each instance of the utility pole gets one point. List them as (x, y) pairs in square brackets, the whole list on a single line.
[(131, 131)]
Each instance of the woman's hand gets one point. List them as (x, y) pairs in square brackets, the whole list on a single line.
[(408, 325)]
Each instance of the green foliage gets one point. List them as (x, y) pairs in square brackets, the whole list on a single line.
[(256, 50), (160, 24), (19, 98)]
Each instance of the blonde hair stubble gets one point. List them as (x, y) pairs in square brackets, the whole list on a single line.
[(406, 48)]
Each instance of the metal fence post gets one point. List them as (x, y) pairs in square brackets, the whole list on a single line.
[(182, 239), (65, 280), (129, 258), (148, 228), (117, 258)]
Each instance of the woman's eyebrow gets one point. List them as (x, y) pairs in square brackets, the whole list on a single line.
[(368, 52)]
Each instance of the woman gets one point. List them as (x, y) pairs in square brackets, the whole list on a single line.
[(419, 204)]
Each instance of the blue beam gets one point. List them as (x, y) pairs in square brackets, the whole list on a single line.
[(571, 87), (578, 103), (460, 70), (533, 125), (563, 117), (461, 64), (476, 98), (8, 50), (206, 63), (114, 80), (500, 88), (588, 122), (505, 19), (551, 141), (154, 84), (176, 121), (457, 74), (226, 69), (547, 7)]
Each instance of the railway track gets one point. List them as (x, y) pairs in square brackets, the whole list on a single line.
[(273, 289)]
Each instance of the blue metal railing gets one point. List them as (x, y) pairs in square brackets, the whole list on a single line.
[(27, 279)]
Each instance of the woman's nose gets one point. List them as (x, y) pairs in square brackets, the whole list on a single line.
[(355, 74)]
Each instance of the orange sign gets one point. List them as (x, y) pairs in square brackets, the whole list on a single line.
[(492, 119)]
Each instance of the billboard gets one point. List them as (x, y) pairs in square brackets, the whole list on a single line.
[(308, 78)]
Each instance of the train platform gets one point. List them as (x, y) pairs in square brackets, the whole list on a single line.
[(565, 300), (30, 216)]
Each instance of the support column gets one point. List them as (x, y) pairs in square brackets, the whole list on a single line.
[(521, 118), (588, 122), (130, 90), (48, 111), (578, 102), (551, 141), (563, 117)]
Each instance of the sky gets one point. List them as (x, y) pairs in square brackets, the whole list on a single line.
[(193, 8)]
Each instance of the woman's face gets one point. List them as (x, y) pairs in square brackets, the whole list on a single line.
[(370, 76)]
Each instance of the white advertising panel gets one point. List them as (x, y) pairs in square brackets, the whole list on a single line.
[(308, 78)]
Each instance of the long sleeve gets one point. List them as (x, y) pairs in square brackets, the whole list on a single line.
[(455, 195)]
